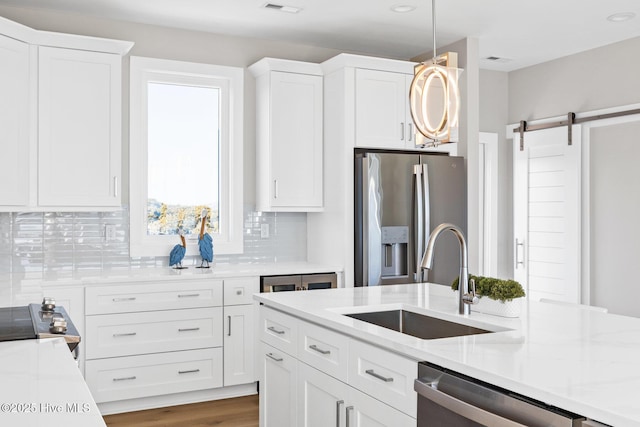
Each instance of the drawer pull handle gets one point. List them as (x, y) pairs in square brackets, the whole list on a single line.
[(124, 299), (229, 331), (188, 329), (271, 356), (125, 378), (319, 350), (277, 331), (190, 371), (188, 295), (126, 334), (378, 376), (339, 403)]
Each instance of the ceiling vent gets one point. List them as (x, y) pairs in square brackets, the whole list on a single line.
[(282, 8), (497, 59)]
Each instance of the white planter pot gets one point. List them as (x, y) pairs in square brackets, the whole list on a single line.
[(511, 308)]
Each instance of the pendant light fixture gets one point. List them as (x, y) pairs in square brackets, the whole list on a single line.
[(434, 95)]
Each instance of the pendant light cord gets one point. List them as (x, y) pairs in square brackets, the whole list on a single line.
[(433, 19)]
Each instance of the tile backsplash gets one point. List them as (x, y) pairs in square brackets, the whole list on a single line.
[(50, 245)]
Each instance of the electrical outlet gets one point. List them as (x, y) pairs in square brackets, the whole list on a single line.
[(109, 232), (264, 231)]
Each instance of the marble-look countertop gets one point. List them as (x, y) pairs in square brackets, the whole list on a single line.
[(42, 385), (579, 360)]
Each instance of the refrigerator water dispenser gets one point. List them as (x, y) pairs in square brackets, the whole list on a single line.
[(395, 242)]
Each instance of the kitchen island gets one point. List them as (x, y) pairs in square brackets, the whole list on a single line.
[(579, 360), (42, 385)]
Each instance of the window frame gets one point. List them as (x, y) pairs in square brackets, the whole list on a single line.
[(143, 70)]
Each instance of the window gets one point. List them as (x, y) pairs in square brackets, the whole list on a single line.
[(185, 155)]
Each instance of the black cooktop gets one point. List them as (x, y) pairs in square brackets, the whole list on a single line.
[(16, 324)]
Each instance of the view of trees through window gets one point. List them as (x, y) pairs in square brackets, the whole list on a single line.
[(183, 158)]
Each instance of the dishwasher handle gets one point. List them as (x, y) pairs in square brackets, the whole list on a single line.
[(429, 390)]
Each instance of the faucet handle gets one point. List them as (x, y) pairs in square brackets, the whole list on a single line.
[(471, 297)]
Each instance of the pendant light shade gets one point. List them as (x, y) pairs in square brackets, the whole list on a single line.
[(434, 96)]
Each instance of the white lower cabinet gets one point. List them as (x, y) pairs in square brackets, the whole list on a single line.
[(152, 339), (154, 374), (316, 377), (323, 401), (239, 359), (278, 378)]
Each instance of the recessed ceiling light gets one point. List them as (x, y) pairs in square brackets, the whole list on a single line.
[(621, 17), (403, 8), (282, 8)]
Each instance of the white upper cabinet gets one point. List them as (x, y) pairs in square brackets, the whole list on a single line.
[(289, 135), (382, 115), (60, 120), (79, 134), (14, 123)]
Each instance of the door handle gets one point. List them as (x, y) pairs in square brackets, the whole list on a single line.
[(519, 259), (339, 403)]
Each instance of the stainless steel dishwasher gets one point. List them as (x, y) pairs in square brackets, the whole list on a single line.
[(449, 399)]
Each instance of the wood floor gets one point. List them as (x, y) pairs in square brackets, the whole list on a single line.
[(236, 412)]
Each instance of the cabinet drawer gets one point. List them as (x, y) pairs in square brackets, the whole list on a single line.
[(153, 296), (278, 329), (240, 290), (154, 374), (113, 335), (324, 349), (384, 375)]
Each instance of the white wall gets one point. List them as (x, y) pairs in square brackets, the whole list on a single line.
[(494, 99)]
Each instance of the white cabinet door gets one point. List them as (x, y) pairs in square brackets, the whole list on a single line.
[(79, 128), (365, 411), (323, 401), (382, 117), (14, 123), (321, 398), (278, 379), (239, 358), (294, 154)]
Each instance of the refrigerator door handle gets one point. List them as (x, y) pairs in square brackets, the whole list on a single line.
[(419, 232), (365, 222), (427, 206)]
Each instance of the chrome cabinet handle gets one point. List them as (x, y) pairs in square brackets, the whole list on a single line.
[(339, 403), (125, 378), (271, 356), (275, 188), (348, 411), (460, 407), (126, 334), (229, 331), (188, 329), (319, 350), (190, 371), (410, 132), (188, 295), (124, 299), (378, 376), (401, 131), (277, 331), (115, 186)]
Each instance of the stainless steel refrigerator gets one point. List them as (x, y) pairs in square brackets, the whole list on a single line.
[(399, 198)]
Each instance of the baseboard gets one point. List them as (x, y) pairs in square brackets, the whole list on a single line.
[(140, 404)]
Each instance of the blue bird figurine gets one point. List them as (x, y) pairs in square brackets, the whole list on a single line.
[(205, 242), (177, 253)]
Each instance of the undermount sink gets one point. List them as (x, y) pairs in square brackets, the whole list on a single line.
[(417, 325)]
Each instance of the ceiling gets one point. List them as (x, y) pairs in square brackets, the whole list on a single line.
[(521, 33)]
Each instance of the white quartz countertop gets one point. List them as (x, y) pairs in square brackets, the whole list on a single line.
[(579, 360), (218, 271), (42, 385)]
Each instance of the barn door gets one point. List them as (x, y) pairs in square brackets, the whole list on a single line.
[(547, 214)]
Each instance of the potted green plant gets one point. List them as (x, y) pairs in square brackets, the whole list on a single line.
[(497, 296)]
